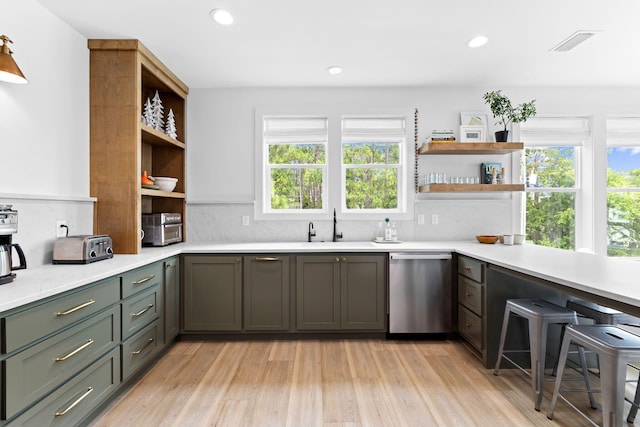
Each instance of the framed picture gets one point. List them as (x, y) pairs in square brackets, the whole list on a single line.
[(474, 119), (473, 133)]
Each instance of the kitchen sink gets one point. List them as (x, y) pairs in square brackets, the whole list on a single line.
[(354, 245)]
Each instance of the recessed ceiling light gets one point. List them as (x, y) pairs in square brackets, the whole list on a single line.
[(334, 69), (478, 41), (221, 16)]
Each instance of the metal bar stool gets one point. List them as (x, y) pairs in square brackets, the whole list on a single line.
[(539, 314), (608, 316), (615, 349), (601, 314)]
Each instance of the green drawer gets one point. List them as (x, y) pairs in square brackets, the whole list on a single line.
[(37, 370), (470, 294), (41, 320), (471, 268), (141, 278), (139, 310), (470, 327), (138, 350), (87, 390)]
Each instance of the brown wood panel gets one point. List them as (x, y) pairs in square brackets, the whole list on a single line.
[(471, 148)]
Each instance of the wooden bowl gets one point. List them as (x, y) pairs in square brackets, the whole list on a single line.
[(487, 239)]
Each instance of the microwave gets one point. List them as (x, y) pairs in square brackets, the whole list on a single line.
[(161, 229)]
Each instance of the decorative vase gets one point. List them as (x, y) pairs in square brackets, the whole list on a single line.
[(502, 136)]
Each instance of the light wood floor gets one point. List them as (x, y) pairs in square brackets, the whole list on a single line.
[(330, 383)]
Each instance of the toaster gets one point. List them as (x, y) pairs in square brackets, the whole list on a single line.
[(82, 249)]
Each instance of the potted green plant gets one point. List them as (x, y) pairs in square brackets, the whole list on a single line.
[(506, 113)]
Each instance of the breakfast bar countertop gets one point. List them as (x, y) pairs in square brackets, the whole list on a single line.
[(609, 278)]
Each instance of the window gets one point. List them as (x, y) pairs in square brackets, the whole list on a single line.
[(372, 164), (295, 164), (310, 164), (552, 175), (623, 186)]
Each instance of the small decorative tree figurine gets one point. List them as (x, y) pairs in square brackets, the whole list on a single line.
[(147, 114), (157, 112), (171, 125), (506, 113)]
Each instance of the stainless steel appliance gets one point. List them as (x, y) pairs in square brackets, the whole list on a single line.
[(420, 296), (161, 229), (8, 227), (82, 249)]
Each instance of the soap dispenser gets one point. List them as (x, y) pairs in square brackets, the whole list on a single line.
[(387, 230)]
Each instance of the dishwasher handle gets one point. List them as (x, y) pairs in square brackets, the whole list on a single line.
[(419, 256)]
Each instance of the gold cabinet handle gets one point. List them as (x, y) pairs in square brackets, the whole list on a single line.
[(467, 268), (344, 259), (143, 311), (469, 325), (146, 279), (168, 265), (467, 294), (78, 400), (71, 310), (337, 259), (143, 347), (267, 258), (76, 351)]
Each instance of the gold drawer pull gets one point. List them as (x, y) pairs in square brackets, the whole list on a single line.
[(467, 294), (143, 347), (143, 311), (146, 279), (77, 350), (467, 268), (80, 399), (469, 325), (168, 265), (267, 258), (71, 310)]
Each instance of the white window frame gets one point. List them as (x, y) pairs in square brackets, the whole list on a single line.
[(334, 184), (556, 133), (621, 131), (374, 135)]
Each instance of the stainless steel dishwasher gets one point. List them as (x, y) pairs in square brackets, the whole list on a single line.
[(420, 293)]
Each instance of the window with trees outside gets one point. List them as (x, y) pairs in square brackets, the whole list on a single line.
[(372, 164), (314, 163), (552, 173), (623, 186), (295, 163)]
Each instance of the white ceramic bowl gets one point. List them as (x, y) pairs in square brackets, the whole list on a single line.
[(518, 239), (166, 183)]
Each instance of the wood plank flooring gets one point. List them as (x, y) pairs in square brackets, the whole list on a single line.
[(331, 383)]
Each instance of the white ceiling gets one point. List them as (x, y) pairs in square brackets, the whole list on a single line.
[(377, 42)]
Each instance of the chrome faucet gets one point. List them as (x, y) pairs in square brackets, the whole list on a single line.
[(336, 235), (312, 231)]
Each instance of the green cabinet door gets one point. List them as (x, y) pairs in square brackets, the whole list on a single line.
[(171, 299), (317, 292), (362, 302), (212, 293), (266, 293)]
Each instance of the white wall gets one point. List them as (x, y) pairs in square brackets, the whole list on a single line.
[(221, 169), (44, 128)]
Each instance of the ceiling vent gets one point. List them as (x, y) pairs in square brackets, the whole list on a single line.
[(573, 40)]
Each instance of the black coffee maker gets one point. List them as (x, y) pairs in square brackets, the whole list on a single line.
[(8, 227)]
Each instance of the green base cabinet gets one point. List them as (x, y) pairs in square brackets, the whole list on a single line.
[(266, 293), (212, 293), (340, 292), (171, 299)]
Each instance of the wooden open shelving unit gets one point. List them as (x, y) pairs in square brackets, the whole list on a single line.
[(460, 148), (470, 148), (123, 74)]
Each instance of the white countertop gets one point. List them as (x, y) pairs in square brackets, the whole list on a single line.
[(611, 278)]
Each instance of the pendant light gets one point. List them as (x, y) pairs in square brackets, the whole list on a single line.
[(9, 70)]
